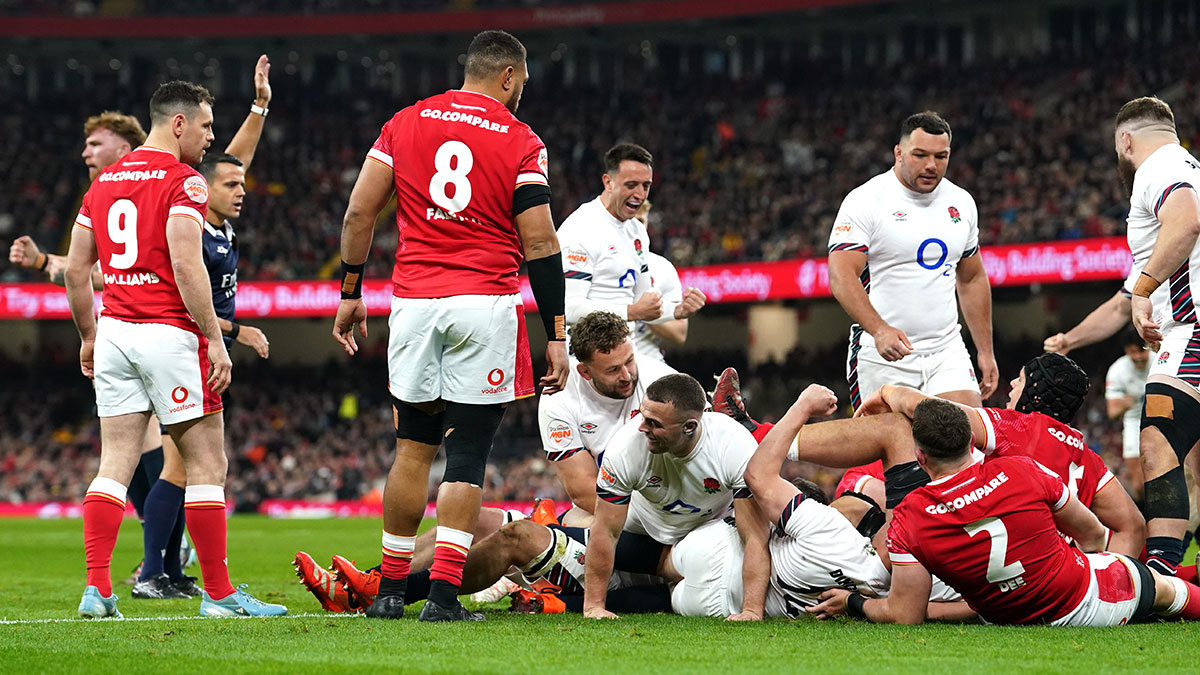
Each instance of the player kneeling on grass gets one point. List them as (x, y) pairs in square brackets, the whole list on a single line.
[(991, 531)]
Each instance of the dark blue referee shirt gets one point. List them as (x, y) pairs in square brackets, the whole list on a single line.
[(221, 259)]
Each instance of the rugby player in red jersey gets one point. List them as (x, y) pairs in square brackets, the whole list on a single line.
[(156, 346), (991, 531), (472, 202)]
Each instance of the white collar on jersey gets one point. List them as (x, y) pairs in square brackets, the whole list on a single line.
[(226, 230)]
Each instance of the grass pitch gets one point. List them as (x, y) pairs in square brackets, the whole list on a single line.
[(43, 576)]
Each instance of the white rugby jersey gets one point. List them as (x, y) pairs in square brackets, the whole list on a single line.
[(670, 496), (1126, 379), (913, 244), (1169, 168), (665, 280), (815, 548), (604, 262), (579, 417)]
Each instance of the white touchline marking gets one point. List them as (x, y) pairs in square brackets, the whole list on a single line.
[(330, 615)]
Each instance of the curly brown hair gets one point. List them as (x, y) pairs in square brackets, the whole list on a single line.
[(125, 126), (599, 331)]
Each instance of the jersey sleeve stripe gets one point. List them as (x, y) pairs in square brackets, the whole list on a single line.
[(83, 221), (582, 276), (1107, 478), (743, 493), (1167, 193), (903, 558), (989, 431), (1062, 501), (187, 212), (848, 247), (531, 179), (560, 455), (970, 252), (611, 497), (380, 156), (786, 514)]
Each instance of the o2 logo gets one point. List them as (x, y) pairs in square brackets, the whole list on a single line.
[(934, 247)]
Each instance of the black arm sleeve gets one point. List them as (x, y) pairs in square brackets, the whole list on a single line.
[(549, 290), (528, 196)]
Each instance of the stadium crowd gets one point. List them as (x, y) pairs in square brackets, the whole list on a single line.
[(325, 432), (748, 166)]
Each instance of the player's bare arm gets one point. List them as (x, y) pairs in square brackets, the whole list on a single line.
[(753, 529), (371, 193), (771, 492), (598, 563), (577, 474), (250, 336), (674, 333), (844, 270), (245, 141), (1077, 522), (975, 298), (1180, 218), (907, 601), (904, 400), (1116, 511), (1117, 407), (544, 260), (185, 243), (81, 256), (1101, 324)]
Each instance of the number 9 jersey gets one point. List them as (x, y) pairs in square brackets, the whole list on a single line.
[(127, 208), (458, 160)]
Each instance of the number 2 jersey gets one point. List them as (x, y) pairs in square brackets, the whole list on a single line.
[(989, 532), (127, 208), (457, 159)]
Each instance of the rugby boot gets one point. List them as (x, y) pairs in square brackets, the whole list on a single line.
[(325, 588), (361, 587), (435, 613), (238, 603), (95, 606), (727, 399)]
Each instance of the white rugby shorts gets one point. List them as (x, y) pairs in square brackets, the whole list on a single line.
[(152, 366), (1112, 595), (710, 560), (1131, 435), (464, 348), (949, 369), (1179, 354)]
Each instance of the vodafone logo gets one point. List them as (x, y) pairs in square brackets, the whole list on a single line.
[(179, 394), (495, 377)]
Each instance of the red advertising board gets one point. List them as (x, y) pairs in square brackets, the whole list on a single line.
[(1102, 259)]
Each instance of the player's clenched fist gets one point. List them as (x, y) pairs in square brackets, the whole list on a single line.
[(818, 400), (87, 362), (646, 308), (1056, 344), (891, 343), (693, 300), (23, 252)]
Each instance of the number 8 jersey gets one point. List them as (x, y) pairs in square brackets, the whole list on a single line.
[(458, 159), (127, 208), (988, 531)]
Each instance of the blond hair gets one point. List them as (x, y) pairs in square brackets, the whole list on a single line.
[(125, 126)]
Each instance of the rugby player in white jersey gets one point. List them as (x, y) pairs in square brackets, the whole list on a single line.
[(602, 394), (903, 243), (650, 339), (1124, 389), (670, 470), (1163, 224), (605, 248)]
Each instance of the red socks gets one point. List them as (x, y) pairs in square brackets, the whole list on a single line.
[(103, 509), (449, 555), (397, 556), (204, 511)]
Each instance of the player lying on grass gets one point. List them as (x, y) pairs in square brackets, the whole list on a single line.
[(813, 547), (991, 530), (1044, 398)]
